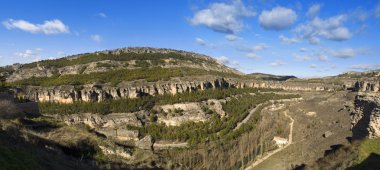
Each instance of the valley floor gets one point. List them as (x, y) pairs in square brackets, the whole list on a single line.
[(317, 114)]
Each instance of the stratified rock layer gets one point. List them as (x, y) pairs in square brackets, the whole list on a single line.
[(366, 117), (133, 89)]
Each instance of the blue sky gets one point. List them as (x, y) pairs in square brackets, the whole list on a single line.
[(302, 38)]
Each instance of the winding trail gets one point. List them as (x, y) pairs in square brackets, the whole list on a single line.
[(269, 154), (248, 116)]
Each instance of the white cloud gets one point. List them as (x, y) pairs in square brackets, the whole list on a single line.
[(278, 18), (253, 49), (313, 10), (48, 27), (29, 53), (364, 66), (345, 53), (232, 37), (102, 15), (277, 63), (360, 14), (303, 50), (200, 41), (97, 38), (301, 57), (348, 52), (287, 40), (331, 28), (253, 55), (223, 17), (322, 57), (226, 61), (313, 66), (377, 11)]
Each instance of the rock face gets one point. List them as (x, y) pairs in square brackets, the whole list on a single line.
[(366, 117), (145, 143), (97, 93), (111, 125), (177, 114), (367, 86)]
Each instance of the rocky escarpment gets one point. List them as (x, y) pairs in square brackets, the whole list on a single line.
[(133, 89), (112, 125), (366, 116), (366, 86)]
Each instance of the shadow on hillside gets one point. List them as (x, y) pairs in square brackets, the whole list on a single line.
[(372, 162)]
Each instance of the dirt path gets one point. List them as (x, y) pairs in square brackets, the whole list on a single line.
[(269, 154), (247, 117), (170, 145), (259, 105)]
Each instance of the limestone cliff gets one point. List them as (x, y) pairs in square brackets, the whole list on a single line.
[(133, 89), (366, 116)]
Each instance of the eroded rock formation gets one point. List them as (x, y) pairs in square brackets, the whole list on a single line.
[(366, 116), (111, 125), (133, 89)]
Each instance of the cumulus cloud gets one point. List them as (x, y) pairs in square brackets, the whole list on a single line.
[(226, 61), (102, 15), (200, 41), (331, 28), (313, 10), (322, 57), (364, 67), (287, 40), (223, 17), (231, 37), (97, 38), (313, 66), (252, 50), (348, 52), (29, 53), (303, 50), (360, 14), (278, 18), (302, 57), (344, 53), (277, 63), (377, 11), (253, 55), (48, 27)]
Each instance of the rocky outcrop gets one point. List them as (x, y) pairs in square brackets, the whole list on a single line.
[(133, 89), (112, 125), (177, 114), (145, 143), (216, 106), (366, 116), (366, 86)]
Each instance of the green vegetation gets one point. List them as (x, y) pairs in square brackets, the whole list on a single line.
[(13, 158), (6, 69), (368, 147), (104, 65), (93, 57), (145, 102), (216, 128), (117, 76)]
